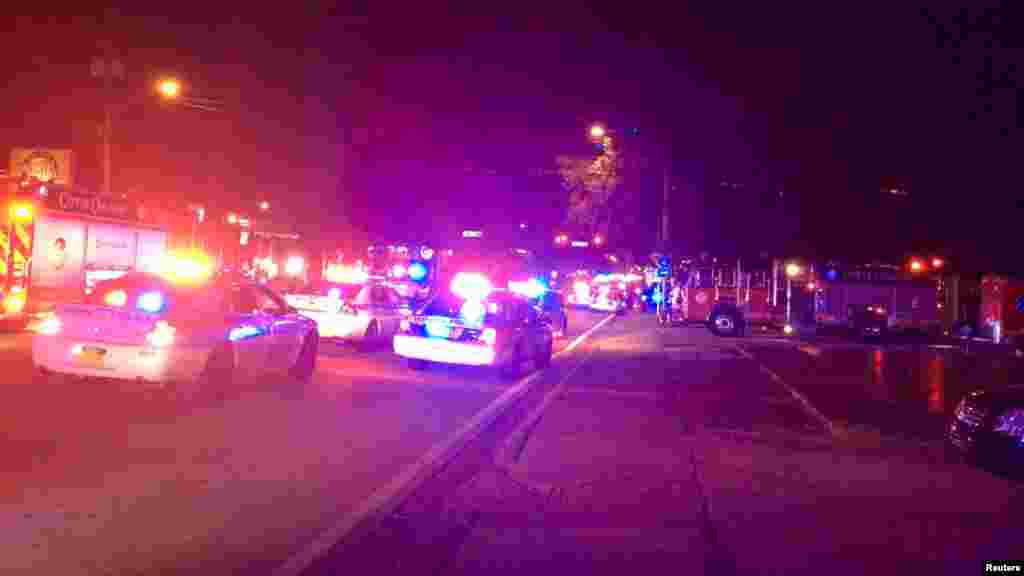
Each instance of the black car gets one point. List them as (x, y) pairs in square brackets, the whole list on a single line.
[(988, 426), (869, 321), (551, 306)]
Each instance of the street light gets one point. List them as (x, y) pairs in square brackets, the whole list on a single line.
[(598, 240), (792, 270), (232, 218), (264, 206), (916, 265), (169, 88), (597, 132)]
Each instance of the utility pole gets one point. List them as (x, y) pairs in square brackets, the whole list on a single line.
[(665, 237), (107, 68)]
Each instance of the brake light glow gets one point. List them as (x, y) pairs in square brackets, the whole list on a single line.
[(161, 336), (244, 332), (49, 326), (489, 336), (471, 286)]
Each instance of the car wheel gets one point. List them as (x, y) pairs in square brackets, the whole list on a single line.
[(418, 364), (305, 364), (372, 331), (725, 324), (514, 367), (217, 377), (544, 358)]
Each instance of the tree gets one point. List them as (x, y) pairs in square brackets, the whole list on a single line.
[(590, 184)]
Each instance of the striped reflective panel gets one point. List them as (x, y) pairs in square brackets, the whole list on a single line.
[(3, 252), (22, 240)]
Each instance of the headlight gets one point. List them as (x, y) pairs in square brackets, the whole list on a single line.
[(1011, 423)]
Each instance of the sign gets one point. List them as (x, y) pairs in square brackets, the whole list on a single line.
[(46, 165), (78, 203), (472, 234), (580, 244)]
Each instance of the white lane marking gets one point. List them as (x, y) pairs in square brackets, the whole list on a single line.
[(800, 398), (411, 477)]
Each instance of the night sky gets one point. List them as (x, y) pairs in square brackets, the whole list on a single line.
[(407, 120)]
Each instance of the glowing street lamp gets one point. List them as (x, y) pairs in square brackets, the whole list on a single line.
[(597, 132), (792, 270), (916, 265), (169, 88)]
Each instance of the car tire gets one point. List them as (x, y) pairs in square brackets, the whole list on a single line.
[(417, 364), (216, 379), (514, 367), (305, 364), (726, 323), (544, 358)]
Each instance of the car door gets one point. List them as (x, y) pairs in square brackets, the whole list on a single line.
[(249, 328), (286, 329)]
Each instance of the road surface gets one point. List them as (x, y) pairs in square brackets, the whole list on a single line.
[(654, 450)]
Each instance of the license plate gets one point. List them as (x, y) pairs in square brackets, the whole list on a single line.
[(91, 357)]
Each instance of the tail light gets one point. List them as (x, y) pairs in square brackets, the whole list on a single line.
[(50, 326), (161, 336), (116, 298), (489, 336)]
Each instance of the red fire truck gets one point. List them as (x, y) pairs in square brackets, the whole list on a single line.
[(727, 295)]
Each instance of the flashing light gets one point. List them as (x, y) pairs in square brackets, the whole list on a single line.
[(832, 274), (439, 327), (232, 219), (161, 336), (472, 234), (531, 288), (471, 286), (244, 332), (473, 312), (417, 271), (810, 285), (426, 253), (116, 298), (14, 302), (346, 275), (916, 265), (787, 329), (182, 268), (152, 302), (169, 88), (21, 212), (597, 131), (404, 325), (489, 336), (598, 240), (937, 263), (50, 325), (398, 271), (792, 270), (294, 266), (334, 294)]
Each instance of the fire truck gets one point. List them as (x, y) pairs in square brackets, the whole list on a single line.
[(58, 243), (907, 298), (727, 295)]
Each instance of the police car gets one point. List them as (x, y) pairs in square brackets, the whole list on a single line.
[(364, 312), (476, 325), (150, 329)]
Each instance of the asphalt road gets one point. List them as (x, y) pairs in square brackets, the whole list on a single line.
[(644, 449), (103, 478)]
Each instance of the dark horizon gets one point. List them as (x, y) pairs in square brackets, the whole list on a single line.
[(338, 119)]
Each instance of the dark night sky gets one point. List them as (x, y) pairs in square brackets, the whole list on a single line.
[(357, 112)]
